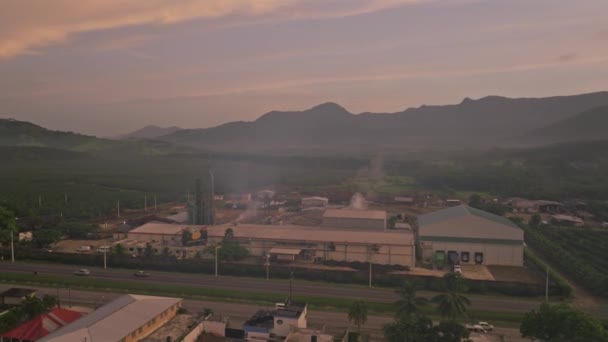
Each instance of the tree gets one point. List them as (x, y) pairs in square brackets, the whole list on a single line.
[(45, 237), (452, 303), (392, 221), (166, 252), (149, 251), (119, 250), (231, 249), (49, 302), (79, 230), (475, 201), (186, 237), (410, 329), (535, 221), (357, 313), (450, 331), (408, 304), (561, 322), (8, 224)]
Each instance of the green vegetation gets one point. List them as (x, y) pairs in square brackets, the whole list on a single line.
[(29, 308), (560, 322), (412, 325), (562, 285), (357, 313), (579, 253)]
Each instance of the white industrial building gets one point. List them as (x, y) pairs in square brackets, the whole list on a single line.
[(352, 219), (309, 244), (471, 235)]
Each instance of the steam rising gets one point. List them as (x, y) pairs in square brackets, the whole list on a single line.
[(358, 202)]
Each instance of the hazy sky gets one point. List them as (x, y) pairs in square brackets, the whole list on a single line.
[(110, 66)]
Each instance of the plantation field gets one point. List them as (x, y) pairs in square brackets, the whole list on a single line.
[(581, 254)]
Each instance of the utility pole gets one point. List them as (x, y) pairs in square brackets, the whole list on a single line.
[(370, 274), (40, 200), (267, 264), (65, 196), (154, 202), (547, 286), (12, 248), (145, 203), (105, 263), (69, 298), (118, 208), (290, 287), (216, 249)]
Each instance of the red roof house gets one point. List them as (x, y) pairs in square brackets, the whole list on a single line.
[(42, 325)]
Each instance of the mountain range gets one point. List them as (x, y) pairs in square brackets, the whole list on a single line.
[(484, 123), (491, 121)]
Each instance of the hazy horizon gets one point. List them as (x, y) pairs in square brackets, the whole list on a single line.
[(110, 67)]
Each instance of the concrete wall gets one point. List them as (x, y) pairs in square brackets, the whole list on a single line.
[(152, 325), (173, 240), (403, 255), (493, 254), (285, 328), (355, 224)]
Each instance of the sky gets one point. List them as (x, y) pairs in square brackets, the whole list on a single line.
[(106, 67)]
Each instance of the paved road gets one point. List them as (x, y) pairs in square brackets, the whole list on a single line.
[(478, 302), (239, 313)]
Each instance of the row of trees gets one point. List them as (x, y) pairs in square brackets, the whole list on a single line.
[(29, 308), (561, 323), (412, 325)]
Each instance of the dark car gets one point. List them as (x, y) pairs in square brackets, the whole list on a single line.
[(141, 274)]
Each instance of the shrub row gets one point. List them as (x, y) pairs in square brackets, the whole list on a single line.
[(558, 285)]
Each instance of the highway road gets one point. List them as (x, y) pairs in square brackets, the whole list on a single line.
[(272, 286), (238, 313)]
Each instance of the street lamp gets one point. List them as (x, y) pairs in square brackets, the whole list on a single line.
[(13, 245), (267, 264)]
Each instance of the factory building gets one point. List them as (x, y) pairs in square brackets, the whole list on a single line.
[(352, 219), (309, 244), (469, 236), (128, 318)]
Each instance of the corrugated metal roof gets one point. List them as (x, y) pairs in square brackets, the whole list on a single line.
[(356, 214), (313, 234), (459, 212), (42, 325), (160, 228), (114, 320)]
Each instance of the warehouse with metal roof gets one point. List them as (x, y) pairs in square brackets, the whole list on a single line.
[(128, 318), (470, 236), (354, 219)]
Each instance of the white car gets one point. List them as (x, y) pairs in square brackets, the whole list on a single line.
[(457, 269), (82, 272), (475, 328), (487, 326)]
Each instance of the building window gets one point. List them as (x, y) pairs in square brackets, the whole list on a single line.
[(464, 256), (279, 321), (478, 258), (331, 247)]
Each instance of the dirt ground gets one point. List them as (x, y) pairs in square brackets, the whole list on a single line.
[(71, 246), (477, 272), (418, 271)]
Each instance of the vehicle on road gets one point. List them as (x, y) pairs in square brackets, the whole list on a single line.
[(141, 274), (84, 249), (487, 326), (457, 269), (104, 249), (82, 272), (475, 328)]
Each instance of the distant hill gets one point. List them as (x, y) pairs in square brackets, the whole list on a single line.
[(23, 135), (149, 132), (588, 125), (483, 123)]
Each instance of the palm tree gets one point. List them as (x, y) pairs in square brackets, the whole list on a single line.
[(408, 304), (358, 314), (452, 303)]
